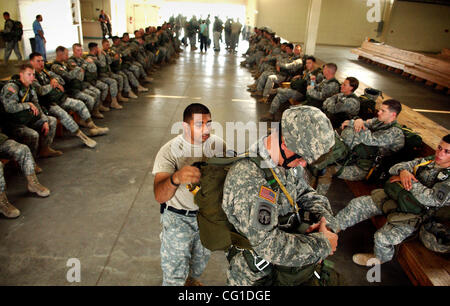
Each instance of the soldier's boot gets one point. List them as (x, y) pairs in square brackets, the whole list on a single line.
[(121, 98), (268, 117), (95, 130), (148, 79), (263, 100), (115, 104), (142, 88), (362, 258), (257, 94), (46, 151), (6, 208), (132, 95), (37, 169), (35, 187), (96, 113), (192, 282), (86, 140), (103, 108), (252, 85)]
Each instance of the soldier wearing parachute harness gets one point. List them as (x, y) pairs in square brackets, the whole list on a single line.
[(266, 211), (416, 190), (360, 143)]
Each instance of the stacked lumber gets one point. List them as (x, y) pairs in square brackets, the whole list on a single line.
[(434, 70)]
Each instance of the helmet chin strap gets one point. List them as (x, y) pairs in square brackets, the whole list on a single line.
[(286, 161)]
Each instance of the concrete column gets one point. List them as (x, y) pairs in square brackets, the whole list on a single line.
[(312, 26)]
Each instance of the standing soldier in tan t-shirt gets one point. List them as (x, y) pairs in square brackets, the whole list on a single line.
[(183, 257)]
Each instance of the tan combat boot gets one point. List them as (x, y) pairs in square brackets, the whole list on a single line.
[(132, 95), (103, 108), (86, 140), (121, 98), (142, 89), (6, 208), (95, 130), (115, 104), (35, 187), (263, 100), (362, 258), (257, 94), (192, 282), (37, 169), (49, 152), (148, 79), (96, 113)]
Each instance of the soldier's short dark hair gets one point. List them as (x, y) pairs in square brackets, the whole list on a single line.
[(76, 45), (446, 138), (311, 58), (393, 106), (135, 32), (354, 83), (60, 49), (115, 38), (33, 55), (125, 34), (24, 67), (37, 16), (290, 46), (5, 14), (104, 40), (331, 66), (194, 108), (92, 45)]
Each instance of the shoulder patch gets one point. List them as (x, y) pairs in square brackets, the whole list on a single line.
[(268, 194), (442, 192), (11, 89)]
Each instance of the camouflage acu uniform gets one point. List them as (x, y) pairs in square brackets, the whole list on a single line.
[(75, 76), (15, 98), (284, 94), (320, 92), (268, 79), (103, 67), (245, 198), (104, 77), (432, 191), (180, 248), (18, 152), (65, 104), (94, 84), (127, 55), (387, 137), (341, 103)]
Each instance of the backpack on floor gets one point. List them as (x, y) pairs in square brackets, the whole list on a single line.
[(368, 102)]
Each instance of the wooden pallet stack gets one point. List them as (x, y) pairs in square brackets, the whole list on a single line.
[(434, 70)]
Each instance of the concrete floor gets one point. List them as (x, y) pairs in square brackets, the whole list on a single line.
[(102, 209)]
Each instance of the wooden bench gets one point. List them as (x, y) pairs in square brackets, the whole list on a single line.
[(435, 70)]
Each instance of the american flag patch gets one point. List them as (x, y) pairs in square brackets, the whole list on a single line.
[(268, 194), (12, 90)]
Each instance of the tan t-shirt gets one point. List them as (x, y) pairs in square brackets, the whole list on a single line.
[(178, 153)]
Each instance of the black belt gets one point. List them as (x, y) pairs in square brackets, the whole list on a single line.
[(188, 213)]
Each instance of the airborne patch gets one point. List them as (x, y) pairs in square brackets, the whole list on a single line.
[(268, 194)]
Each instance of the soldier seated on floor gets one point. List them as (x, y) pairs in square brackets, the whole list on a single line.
[(21, 154), (366, 141), (416, 190), (344, 105)]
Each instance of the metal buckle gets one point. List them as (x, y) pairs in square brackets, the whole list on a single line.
[(261, 265)]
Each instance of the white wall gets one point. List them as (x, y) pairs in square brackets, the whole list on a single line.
[(57, 22)]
